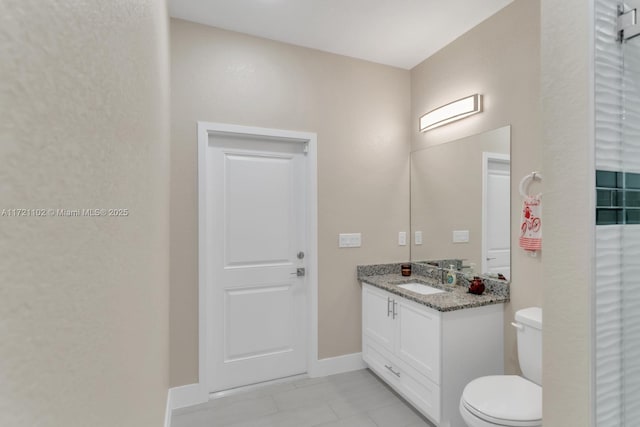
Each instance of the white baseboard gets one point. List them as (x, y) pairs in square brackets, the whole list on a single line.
[(337, 365), (167, 410), (186, 395)]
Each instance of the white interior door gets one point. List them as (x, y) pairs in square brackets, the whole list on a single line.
[(496, 240), (255, 222)]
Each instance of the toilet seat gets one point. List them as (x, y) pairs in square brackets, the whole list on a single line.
[(504, 400)]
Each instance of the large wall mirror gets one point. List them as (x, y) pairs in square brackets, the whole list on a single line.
[(460, 202)]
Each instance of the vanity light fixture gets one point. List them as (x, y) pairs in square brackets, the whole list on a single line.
[(451, 112)]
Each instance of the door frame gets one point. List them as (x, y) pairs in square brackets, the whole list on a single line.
[(486, 158), (205, 130)]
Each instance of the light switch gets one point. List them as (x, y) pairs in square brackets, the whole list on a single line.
[(418, 238), (460, 236), (402, 238), (349, 240)]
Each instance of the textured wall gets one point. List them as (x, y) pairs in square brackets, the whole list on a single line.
[(499, 58), (360, 112), (84, 300), (568, 168)]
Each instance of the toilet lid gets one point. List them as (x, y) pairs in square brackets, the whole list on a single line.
[(504, 399)]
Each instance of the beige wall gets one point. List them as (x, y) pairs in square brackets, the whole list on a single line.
[(84, 300), (500, 58), (568, 167), (360, 112)]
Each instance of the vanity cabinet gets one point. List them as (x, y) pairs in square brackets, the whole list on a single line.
[(429, 356)]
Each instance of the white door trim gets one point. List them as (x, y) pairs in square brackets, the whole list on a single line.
[(205, 129), (486, 158)]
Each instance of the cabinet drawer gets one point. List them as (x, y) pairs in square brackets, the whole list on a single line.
[(421, 392), (378, 360), (416, 388)]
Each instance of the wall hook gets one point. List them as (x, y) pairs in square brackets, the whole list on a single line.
[(526, 181)]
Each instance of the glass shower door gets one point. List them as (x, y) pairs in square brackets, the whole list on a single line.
[(631, 229)]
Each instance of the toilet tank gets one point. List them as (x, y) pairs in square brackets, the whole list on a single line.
[(529, 325)]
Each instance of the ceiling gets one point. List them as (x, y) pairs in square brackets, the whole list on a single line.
[(400, 33)]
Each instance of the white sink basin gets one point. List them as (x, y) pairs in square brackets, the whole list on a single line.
[(419, 288)]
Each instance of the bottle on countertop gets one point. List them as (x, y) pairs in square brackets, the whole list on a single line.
[(451, 276)]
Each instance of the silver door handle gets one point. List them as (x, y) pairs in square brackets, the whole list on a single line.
[(397, 374), (394, 309), (388, 309), (489, 259)]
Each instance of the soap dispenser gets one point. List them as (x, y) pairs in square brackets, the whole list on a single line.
[(451, 276)]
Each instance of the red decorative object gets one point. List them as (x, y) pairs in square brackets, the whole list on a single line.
[(476, 286)]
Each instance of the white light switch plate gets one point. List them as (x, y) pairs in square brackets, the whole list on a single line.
[(402, 238), (418, 238), (460, 236), (349, 240)]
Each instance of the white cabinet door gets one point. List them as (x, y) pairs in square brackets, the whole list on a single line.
[(377, 317), (418, 338)]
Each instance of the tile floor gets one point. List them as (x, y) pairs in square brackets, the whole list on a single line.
[(353, 399)]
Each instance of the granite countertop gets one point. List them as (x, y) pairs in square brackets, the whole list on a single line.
[(457, 297)]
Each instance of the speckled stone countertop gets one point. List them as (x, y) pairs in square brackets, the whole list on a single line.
[(388, 277)]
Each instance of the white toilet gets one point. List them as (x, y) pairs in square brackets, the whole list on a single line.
[(510, 400)]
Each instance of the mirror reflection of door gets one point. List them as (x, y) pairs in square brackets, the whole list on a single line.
[(496, 201)]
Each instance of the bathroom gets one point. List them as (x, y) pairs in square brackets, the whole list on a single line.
[(533, 63), (368, 143)]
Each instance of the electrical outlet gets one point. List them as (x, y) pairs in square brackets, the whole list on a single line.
[(349, 240), (460, 236), (418, 238), (402, 238)]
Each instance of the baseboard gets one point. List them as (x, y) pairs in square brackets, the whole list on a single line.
[(337, 365), (186, 395), (167, 410)]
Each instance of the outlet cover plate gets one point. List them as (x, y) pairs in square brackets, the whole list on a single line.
[(349, 240), (460, 236)]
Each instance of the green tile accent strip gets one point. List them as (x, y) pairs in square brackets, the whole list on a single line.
[(610, 198), (608, 216), (633, 216), (608, 179), (617, 198), (632, 199), (632, 180)]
